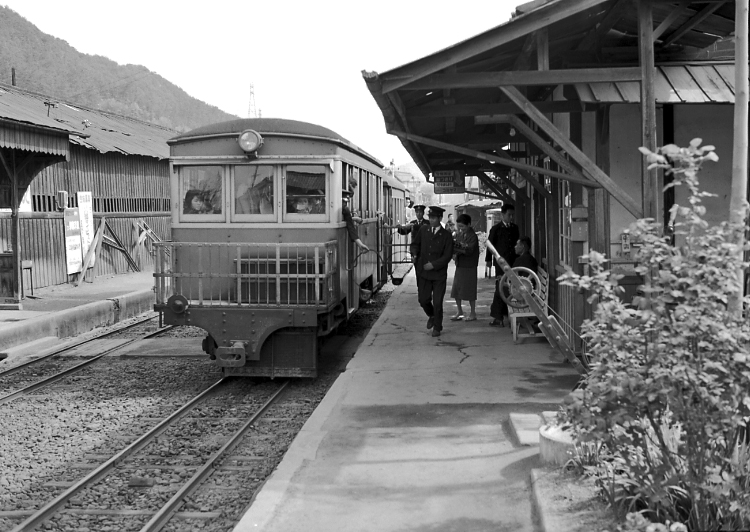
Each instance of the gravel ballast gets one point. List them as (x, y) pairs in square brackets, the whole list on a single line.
[(45, 437)]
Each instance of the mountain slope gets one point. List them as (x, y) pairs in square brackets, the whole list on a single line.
[(50, 66)]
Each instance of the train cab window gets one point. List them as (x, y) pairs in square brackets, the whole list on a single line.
[(201, 192), (306, 193), (254, 192)]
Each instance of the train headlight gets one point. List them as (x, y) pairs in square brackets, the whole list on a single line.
[(250, 141)]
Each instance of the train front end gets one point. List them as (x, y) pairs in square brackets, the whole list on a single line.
[(263, 305), (257, 243)]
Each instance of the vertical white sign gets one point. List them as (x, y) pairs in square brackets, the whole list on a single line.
[(73, 240), (86, 214)]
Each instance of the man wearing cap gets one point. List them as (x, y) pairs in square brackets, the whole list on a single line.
[(503, 237), (351, 229), (432, 250), (412, 228)]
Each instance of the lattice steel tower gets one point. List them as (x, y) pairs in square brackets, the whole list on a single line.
[(251, 111)]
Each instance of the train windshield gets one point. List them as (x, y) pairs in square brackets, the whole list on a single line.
[(201, 191), (306, 192), (254, 192)]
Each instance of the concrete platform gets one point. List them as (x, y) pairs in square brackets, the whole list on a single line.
[(64, 311), (416, 434)]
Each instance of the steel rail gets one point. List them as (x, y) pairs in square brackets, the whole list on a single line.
[(67, 372), (163, 516), (19, 367), (52, 507)]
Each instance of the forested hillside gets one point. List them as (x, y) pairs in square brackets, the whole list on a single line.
[(50, 66)]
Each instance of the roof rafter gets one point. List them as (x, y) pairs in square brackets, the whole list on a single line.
[(514, 29), (486, 156), (673, 15), (702, 15), (475, 80), (481, 109), (608, 22), (493, 186), (578, 156)]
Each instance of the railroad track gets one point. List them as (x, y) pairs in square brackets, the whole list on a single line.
[(29, 370), (236, 419)]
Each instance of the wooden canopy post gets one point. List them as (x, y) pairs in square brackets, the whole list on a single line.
[(650, 188), (10, 169), (599, 237)]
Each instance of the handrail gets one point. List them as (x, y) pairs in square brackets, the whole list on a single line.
[(247, 273), (548, 324)]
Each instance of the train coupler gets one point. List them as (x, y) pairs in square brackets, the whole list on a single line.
[(232, 356)]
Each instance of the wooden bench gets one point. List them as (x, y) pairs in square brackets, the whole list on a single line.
[(524, 317)]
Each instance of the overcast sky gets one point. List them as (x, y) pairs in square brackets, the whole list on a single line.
[(304, 58)]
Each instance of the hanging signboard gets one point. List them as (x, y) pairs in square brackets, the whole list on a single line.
[(86, 215), (449, 182), (73, 254)]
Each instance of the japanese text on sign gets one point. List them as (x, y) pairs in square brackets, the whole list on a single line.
[(86, 214), (73, 255), (449, 182)]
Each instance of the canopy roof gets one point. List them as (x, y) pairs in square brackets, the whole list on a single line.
[(455, 97)]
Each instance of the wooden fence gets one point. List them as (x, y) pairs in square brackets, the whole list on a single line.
[(43, 242)]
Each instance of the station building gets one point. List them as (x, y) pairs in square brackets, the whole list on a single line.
[(52, 150), (549, 109)]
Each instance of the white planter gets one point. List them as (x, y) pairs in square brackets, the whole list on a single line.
[(555, 445)]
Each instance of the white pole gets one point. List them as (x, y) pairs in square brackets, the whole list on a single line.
[(739, 156)]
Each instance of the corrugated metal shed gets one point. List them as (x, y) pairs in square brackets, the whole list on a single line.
[(97, 130), (676, 83), (480, 203)]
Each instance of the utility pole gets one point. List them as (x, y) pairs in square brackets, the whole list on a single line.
[(251, 111)]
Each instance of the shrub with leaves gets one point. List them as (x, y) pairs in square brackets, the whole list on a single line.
[(668, 394)]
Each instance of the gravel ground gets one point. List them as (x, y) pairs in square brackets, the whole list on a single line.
[(99, 410)]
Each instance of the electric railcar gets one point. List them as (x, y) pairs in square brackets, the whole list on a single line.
[(260, 257)]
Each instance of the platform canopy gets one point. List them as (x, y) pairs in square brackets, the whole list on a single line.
[(457, 108)]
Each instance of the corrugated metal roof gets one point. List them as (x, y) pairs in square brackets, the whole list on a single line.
[(679, 83), (20, 136), (93, 129)]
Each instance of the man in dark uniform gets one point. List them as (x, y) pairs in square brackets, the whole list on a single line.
[(412, 228), (503, 236), (432, 250)]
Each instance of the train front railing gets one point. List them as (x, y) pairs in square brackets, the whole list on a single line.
[(247, 274)]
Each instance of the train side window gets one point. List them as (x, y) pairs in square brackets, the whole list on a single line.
[(201, 190), (254, 192), (306, 193)]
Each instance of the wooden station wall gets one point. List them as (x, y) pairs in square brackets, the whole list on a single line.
[(126, 189)]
